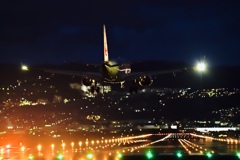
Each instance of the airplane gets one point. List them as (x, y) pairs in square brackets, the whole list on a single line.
[(112, 72)]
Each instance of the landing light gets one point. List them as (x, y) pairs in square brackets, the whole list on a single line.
[(24, 68), (201, 67)]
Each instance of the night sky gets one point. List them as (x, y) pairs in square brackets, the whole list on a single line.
[(54, 31)]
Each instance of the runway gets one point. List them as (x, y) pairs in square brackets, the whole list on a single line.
[(148, 146)]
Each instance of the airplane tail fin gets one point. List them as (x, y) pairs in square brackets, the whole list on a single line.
[(105, 51)]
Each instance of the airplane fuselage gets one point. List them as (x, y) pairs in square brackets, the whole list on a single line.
[(112, 72)]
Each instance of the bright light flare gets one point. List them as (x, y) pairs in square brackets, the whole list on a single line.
[(201, 67), (24, 68)]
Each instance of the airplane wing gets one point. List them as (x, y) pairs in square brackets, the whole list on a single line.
[(136, 75), (91, 75)]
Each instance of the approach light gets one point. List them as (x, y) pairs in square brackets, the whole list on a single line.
[(24, 68), (201, 67), (149, 155), (209, 154)]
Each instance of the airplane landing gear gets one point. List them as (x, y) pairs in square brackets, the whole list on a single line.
[(122, 85), (93, 89)]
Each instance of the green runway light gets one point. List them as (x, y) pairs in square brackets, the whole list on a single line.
[(119, 155), (149, 155), (60, 156), (30, 157), (209, 155), (89, 156), (238, 155), (179, 154)]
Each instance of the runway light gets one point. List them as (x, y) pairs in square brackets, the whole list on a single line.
[(8, 146), (89, 156), (209, 154), (30, 157), (179, 154), (22, 148), (149, 155), (119, 155), (238, 155), (60, 156), (39, 147)]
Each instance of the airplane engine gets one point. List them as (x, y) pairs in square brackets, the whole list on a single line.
[(145, 81), (87, 81)]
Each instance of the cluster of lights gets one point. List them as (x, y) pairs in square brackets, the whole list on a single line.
[(228, 140), (91, 145), (190, 147), (195, 148), (151, 143)]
